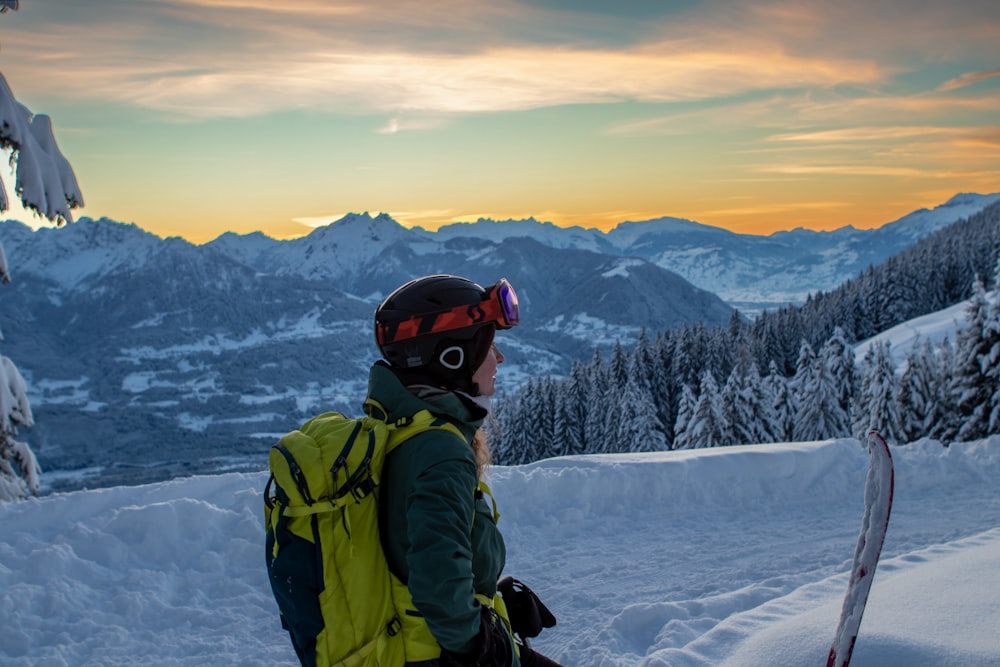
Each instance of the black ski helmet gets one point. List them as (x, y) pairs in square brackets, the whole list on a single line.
[(409, 323)]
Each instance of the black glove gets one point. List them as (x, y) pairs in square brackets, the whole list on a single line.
[(494, 646), (527, 613)]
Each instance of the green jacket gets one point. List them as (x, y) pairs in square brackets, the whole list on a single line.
[(439, 538)]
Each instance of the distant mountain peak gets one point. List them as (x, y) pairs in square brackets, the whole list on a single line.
[(359, 228), (365, 218), (967, 198)]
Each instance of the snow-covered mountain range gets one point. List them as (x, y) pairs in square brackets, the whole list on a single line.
[(133, 344), (748, 271)]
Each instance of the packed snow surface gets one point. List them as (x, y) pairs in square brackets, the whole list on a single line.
[(728, 556)]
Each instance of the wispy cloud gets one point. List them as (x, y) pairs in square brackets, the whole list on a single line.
[(499, 80), (398, 124), (866, 134), (773, 208), (422, 217), (968, 79), (308, 7), (246, 57), (843, 170), (319, 220)]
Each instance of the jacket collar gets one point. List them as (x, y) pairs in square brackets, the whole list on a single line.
[(386, 387)]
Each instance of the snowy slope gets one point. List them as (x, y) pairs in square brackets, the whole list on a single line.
[(934, 327), (732, 556), (922, 222)]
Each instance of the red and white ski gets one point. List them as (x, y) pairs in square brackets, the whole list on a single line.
[(878, 504)]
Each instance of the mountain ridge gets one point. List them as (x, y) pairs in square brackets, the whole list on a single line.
[(748, 271), (137, 348)]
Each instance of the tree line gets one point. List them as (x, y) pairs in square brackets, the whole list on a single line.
[(790, 374)]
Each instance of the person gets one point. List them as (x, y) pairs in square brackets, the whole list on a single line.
[(438, 528)]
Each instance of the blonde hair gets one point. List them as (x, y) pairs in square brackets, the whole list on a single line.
[(481, 448)]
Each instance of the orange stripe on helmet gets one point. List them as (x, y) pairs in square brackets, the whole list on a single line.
[(491, 309)]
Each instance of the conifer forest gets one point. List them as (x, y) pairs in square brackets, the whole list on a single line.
[(790, 374)]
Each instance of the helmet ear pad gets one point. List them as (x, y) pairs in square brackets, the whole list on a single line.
[(448, 361), (458, 355)]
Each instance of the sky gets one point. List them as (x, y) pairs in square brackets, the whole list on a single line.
[(196, 117)]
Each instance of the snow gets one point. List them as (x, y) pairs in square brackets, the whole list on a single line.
[(934, 327), (728, 556), (306, 327), (621, 268), (45, 181), (924, 221), (593, 329)]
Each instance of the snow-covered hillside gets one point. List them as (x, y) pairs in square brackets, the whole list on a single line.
[(730, 556)]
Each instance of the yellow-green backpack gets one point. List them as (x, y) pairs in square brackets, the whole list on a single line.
[(336, 596)]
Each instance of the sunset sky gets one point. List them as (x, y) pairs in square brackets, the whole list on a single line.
[(196, 117)]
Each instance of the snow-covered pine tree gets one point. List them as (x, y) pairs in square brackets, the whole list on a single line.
[(971, 387), (548, 441), (653, 356), (639, 428), (877, 406), (947, 424), (511, 437), (818, 415), (46, 185), (618, 366), (522, 426), (766, 423), (690, 354), (708, 425), (685, 413), (495, 425), (991, 360), (838, 355), (781, 403), (736, 410), (601, 402), (19, 470), (571, 410), (920, 390)]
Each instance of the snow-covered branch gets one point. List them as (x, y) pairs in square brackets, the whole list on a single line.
[(45, 183)]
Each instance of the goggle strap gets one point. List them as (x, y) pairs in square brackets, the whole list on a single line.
[(458, 317)]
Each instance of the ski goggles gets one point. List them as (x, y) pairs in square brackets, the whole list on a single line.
[(499, 306)]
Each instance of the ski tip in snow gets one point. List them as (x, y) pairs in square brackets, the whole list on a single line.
[(878, 506)]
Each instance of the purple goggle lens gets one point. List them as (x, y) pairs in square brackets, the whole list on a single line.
[(507, 299)]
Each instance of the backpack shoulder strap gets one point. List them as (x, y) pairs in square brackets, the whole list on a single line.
[(405, 428)]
